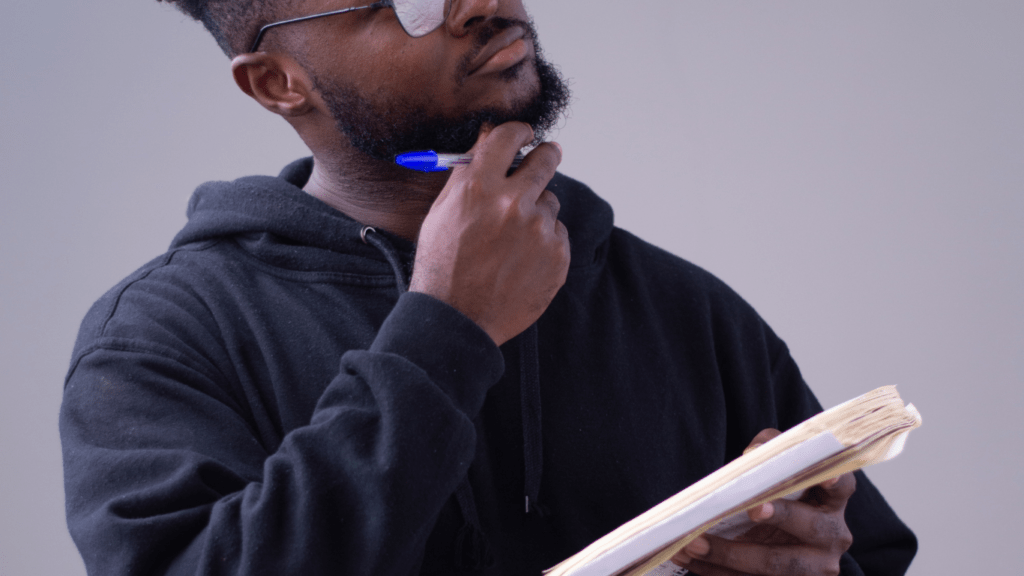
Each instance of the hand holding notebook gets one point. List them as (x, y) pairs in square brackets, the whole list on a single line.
[(805, 535), (868, 429)]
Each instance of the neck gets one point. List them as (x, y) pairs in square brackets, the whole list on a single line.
[(376, 193)]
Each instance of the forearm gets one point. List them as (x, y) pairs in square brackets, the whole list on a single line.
[(162, 478)]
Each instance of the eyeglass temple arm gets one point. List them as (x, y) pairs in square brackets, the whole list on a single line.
[(259, 35)]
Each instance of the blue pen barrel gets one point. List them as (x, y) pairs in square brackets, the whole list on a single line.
[(425, 161), (430, 161)]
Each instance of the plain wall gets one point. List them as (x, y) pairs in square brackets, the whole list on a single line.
[(854, 169)]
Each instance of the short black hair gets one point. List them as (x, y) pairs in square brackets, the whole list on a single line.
[(233, 23)]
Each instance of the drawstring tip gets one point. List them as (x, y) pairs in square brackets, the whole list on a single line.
[(539, 509)]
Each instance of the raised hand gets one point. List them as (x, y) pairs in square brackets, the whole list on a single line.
[(492, 246)]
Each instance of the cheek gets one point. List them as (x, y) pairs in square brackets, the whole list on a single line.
[(412, 67)]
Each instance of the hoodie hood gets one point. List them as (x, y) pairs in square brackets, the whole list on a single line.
[(276, 218)]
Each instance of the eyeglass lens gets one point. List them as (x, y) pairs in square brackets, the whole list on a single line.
[(421, 17)]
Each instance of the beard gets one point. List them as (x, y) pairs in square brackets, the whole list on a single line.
[(383, 129)]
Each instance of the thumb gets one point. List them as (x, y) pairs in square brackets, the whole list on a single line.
[(762, 437)]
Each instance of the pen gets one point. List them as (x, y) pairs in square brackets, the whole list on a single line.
[(430, 161)]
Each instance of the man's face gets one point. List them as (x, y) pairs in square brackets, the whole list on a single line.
[(389, 93)]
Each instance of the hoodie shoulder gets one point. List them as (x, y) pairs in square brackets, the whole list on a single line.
[(676, 279), (588, 218), (162, 293)]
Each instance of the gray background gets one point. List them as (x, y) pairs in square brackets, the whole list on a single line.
[(854, 169)]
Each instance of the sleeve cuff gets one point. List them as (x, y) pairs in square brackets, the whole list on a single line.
[(454, 351)]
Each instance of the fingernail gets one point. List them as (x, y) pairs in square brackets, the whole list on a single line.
[(830, 482), (767, 511), (751, 448), (698, 547)]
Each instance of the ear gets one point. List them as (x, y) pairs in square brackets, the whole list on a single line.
[(275, 81)]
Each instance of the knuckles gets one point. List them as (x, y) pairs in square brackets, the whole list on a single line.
[(778, 562), (549, 199), (831, 528), (848, 485), (540, 178), (509, 210), (845, 539), (475, 189)]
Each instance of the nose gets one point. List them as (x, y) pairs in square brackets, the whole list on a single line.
[(465, 13)]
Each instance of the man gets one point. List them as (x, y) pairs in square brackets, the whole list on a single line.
[(354, 368)]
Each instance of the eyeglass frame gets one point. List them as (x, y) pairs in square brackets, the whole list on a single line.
[(378, 4)]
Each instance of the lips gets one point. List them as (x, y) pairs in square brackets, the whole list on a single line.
[(503, 40)]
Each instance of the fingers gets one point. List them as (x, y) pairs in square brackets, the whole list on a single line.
[(731, 557), (838, 490), (832, 494), (497, 146), (681, 558), (701, 568), (503, 230), (762, 437), (806, 536), (538, 168), (813, 525), (549, 205)]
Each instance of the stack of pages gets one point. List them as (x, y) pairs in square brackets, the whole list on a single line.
[(868, 429)]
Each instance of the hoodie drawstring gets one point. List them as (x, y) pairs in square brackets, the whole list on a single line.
[(472, 551), (381, 243), (529, 389)]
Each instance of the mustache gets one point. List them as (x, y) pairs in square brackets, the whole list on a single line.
[(482, 35)]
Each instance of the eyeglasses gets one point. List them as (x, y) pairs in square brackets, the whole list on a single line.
[(417, 17)]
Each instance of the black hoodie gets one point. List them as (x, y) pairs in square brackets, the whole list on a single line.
[(265, 399)]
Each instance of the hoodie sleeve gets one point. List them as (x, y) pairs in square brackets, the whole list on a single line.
[(164, 475)]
